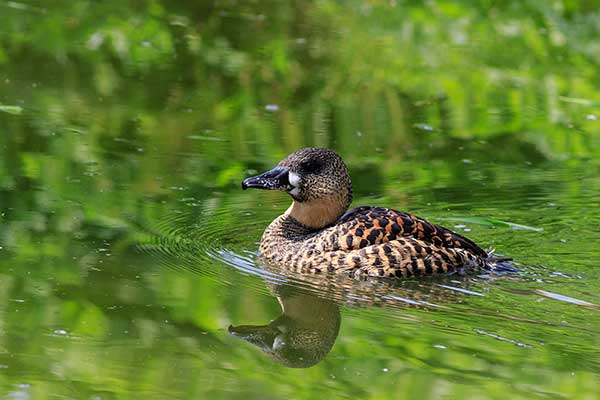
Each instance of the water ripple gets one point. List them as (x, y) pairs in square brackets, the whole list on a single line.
[(203, 245), (212, 240)]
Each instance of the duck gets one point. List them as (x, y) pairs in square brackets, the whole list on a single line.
[(318, 233)]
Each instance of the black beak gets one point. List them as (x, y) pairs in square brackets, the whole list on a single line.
[(275, 179), (262, 336)]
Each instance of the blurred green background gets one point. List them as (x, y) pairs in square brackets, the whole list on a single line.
[(127, 247)]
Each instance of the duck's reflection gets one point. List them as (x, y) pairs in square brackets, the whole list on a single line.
[(310, 317), (302, 335)]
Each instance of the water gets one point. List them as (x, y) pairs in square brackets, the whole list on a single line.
[(128, 251)]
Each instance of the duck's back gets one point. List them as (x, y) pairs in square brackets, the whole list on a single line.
[(377, 242), (374, 225)]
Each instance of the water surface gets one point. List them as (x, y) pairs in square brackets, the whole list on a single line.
[(128, 252)]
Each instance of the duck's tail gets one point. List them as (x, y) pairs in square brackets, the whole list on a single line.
[(498, 263)]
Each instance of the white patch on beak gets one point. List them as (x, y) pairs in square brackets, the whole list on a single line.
[(294, 179), (279, 342)]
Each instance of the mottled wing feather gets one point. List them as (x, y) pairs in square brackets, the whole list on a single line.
[(402, 258), (366, 226), (370, 241)]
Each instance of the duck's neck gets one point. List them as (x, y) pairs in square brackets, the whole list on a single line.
[(317, 214)]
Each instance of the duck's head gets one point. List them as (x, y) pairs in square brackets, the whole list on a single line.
[(318, 182)]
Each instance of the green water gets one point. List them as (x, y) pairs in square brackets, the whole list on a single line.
[(128, 252)]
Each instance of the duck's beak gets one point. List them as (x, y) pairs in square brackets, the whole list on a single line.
[(275, 179), (262, 336)]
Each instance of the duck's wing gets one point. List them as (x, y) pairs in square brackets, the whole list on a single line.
[(366, 226)]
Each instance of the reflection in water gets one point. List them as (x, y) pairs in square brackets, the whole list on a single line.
[(310, 319), (302, 335)]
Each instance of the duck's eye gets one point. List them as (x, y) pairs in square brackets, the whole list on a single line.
[(311, 167)]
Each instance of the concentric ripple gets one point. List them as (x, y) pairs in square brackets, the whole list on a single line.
[(208, 240)]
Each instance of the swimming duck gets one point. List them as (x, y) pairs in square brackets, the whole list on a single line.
[(318, 233)]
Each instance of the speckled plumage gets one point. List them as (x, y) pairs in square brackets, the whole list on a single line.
[(365, 241)]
